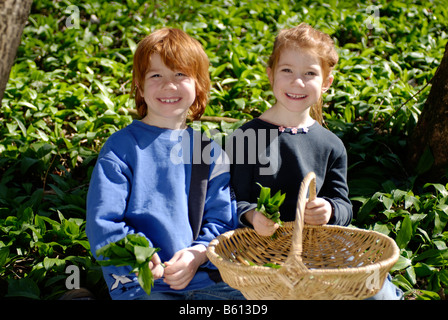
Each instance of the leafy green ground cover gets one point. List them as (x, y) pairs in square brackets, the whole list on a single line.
[(69, 90)]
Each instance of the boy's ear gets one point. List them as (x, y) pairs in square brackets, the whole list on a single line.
[(327, 83)]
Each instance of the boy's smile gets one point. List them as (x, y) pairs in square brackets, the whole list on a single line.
[(169, 100)]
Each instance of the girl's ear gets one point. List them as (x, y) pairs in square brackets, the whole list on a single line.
[(137, 86), (270, 75), (327, 83)]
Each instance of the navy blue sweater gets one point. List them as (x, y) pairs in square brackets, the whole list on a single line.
[(261, 153)]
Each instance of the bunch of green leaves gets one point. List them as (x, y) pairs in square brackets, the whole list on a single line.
[(270, 206), (134, 251), (267, 264)]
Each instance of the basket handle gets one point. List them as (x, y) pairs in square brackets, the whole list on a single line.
[(295, 254)]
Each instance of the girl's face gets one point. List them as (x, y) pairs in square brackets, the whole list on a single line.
[(297, 80), (168, 95)]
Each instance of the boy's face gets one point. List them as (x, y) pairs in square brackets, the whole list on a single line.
[(168, 94), (297, 80)]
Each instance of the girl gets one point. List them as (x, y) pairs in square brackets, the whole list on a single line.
[(299, 71), (141, 185), (289, 140)]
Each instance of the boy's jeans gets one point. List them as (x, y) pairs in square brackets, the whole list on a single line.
[(218, 291)]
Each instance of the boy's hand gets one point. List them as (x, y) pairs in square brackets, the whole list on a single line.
[(318, 211), (156, 267), (262, 225), (182, 267)]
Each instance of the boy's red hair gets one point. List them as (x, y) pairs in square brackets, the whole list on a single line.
[(180, 52), (306, 37)]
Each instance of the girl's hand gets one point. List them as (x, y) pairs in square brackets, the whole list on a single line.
[(156, 267), (262, 225), (182, 267), (318, 211)]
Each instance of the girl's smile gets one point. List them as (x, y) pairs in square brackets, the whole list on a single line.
[(297, 79), (297, 82), (296, 96)]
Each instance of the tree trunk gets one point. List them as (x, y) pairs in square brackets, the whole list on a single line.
[(429, 140), (13, 17)]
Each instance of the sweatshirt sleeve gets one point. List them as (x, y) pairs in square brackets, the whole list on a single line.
[(105, 223), (242, 189)]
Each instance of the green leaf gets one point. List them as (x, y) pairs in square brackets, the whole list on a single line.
[(4, 254), (272, 265), (443, 276), (402, 263), (26, 163), (106, 251), (118, 262), (21, 126), (278, 199), (423, 270), (131, 44), (137, 239), (145, 278), (428, 295), (264, 194), (405, 233), (439, 187), (119, 252), (388, 202), (50, 262), (426, 161), (440, 221), (143, 254), (368, 206), (411, 276), (24, 287), (402, 282)]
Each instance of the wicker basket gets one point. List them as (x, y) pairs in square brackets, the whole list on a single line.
[(314, 262)]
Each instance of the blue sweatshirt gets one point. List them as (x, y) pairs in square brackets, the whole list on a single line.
[(140, 184)]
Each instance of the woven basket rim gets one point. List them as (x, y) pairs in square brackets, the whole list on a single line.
[(367, 268)]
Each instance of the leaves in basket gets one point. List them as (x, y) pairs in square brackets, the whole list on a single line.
[(269, 206), (268, 264), (133, 250)]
